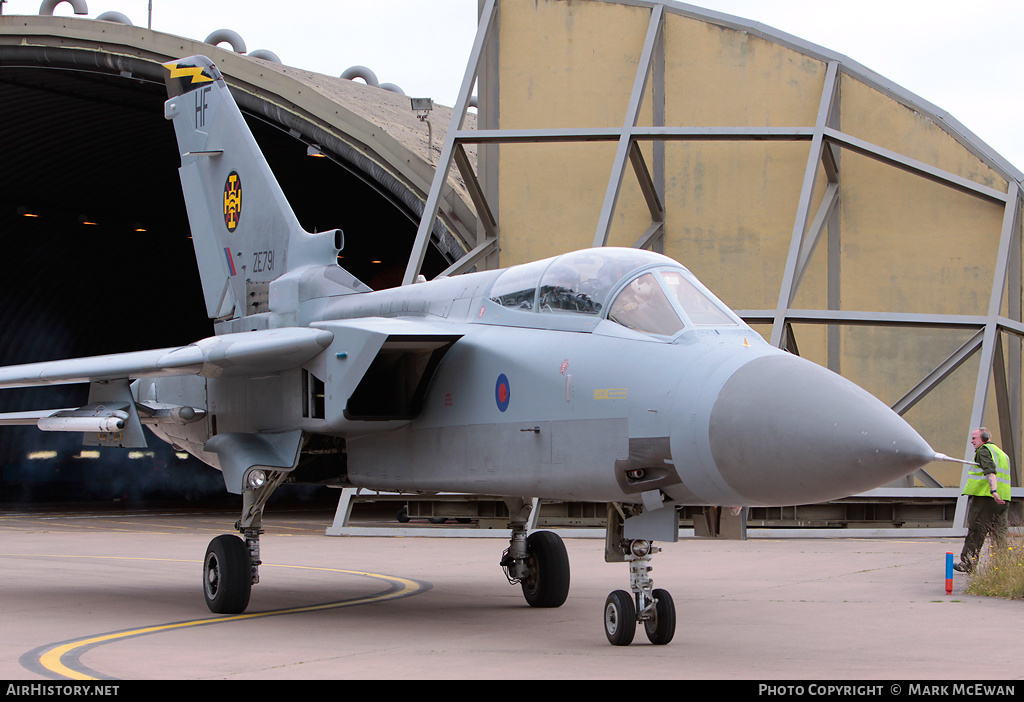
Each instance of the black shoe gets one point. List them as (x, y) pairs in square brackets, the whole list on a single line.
[(963, 568)]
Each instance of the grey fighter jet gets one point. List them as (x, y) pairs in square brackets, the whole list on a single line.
[(607, 375)]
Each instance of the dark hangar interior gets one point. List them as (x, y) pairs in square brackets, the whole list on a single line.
[(95, 236)]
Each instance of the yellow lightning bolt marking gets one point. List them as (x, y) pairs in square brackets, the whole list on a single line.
[(196, 72)]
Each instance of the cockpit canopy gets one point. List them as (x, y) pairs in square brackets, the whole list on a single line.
[(639, 289)]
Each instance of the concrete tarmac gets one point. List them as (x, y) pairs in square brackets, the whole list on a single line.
[(117, 596)]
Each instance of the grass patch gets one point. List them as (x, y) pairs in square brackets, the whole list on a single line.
[(1001, 572)]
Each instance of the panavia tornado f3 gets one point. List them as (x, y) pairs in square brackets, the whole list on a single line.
[(606, 375)]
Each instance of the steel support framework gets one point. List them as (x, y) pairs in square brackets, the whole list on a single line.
[(826, 143)]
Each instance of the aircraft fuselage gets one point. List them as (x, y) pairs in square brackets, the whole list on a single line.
[(438, 387)]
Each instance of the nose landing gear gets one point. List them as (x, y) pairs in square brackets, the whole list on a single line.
[(644, 604), (652, 607)]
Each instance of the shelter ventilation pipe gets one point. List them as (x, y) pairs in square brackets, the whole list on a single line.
[(265, 54), (234, 39), (113, 16), (370, 78), (80, 6), (361, 72), (230, 36)]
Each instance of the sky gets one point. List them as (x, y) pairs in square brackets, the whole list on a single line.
[(965, 58)]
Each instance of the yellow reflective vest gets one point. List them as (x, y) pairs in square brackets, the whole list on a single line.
[(977, 483)]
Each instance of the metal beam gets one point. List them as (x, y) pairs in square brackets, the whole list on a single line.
[(810, 241), (1011, 325), (992, 337), (1009, 426), (955, 360), (830, 162), (658, 119), (831, 135), (481, 251), (789, 276), (724, 133), (653, 232), (643, 70), (1013, 343), (834, 282), (915, 167), (789, 340), (1007, 430), (925, 477), (849, 317), (476, 193), (647, 186), (569, 135), (419, 247), (830, 159)]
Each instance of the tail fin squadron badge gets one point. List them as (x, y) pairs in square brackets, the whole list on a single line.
[(232, 201), (188, 74)]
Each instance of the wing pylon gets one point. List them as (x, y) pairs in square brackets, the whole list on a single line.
[(114, 416)]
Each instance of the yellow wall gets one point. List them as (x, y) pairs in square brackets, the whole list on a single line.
[(907, 244), (559, 69)]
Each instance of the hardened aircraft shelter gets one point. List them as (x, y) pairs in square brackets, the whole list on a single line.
[(94, 224), (843, 217)]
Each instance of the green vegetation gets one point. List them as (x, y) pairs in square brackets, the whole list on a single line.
[(1001, 572)]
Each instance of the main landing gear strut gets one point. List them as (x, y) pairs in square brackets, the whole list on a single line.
[(231, 566), (538, 562)]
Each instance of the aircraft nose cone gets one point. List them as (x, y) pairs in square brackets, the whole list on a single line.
[(784, 430)]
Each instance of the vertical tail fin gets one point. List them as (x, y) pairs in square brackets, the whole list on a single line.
[(243, 229)]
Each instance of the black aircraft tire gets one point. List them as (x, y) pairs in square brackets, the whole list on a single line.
[(619, 618), (227, 579), (662, 628), (548, 582)]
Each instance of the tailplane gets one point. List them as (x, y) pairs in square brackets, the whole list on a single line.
[(244, 231)]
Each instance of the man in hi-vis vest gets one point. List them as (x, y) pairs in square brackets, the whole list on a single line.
[(989, 488)]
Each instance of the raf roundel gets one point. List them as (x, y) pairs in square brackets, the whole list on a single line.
[(502, 392), (232, 201)]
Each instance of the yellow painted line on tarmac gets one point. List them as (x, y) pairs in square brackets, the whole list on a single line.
[(53, 659), (97, 558)]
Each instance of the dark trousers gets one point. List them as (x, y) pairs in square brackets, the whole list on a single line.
[(985, 516)]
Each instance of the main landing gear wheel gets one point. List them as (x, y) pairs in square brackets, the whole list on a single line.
[(539, 564), (619, 618), (227, 576), (547, 584), (661, 627)]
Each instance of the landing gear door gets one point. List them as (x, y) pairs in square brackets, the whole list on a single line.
[(661, 524)]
